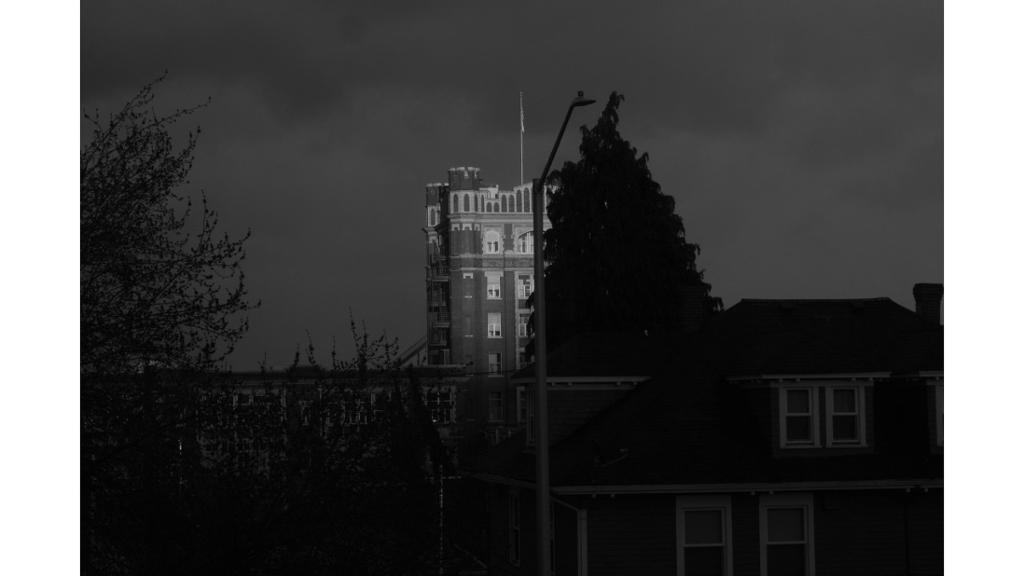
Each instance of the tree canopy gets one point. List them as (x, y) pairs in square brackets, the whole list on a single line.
[(160, 285), (617, 254)]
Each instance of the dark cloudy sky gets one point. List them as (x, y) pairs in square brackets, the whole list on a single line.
[(802, 141)]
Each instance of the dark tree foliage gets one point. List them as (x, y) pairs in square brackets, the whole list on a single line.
[(160, 286), (275, 479), (618, 259), (186, 470)]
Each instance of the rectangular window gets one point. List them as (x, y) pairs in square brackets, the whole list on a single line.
[(494, 363), (493, 287), (939, 413), (495, 407), (797, 417), (703, 536), (513, 528), (787, 535), (525, 287), (494, 325), (523, 326), (845, 415)]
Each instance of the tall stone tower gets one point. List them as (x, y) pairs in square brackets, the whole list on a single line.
[(479, 275)]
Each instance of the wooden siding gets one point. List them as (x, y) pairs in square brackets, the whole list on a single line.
[(882, 533), (878, 532), (632, 535)]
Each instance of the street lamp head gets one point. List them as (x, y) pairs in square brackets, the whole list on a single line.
[(581, 101)]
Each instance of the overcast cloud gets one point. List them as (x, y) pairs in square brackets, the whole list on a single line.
[(801, 140)]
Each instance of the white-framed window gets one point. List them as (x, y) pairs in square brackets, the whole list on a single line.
[(495, 406), (492, 242), (832, 414), (494, 325), (494, 364), (493, 287), (524, 243), (798, 418), (513, 528), (844, 423), (703, 536), (523, 326), (787, 534), (524, 287)]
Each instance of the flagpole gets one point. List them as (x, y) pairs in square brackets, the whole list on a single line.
[(522, 130)]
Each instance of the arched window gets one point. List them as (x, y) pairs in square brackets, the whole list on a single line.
[(492, 242), (476, 203), (519, 200), (524, 244), (465, 203), (488, 206), (504, 204), (455, 203), (526, 201)]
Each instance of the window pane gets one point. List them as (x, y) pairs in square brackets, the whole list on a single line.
[(798, 429), (844, 428), (798, 401), (708, 561), (703, 526), (844, 400), (785, 524), (786, 560)]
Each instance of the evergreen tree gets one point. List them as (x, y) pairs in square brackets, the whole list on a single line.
[(617, 254)]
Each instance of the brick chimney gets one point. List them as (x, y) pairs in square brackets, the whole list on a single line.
[(928, 301)]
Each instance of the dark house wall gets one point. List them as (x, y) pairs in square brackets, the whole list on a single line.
[(632, 535), (878, 532), (856, 532), (565, 548)]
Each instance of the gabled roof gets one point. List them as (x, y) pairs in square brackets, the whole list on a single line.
[(687, 426), (824, 336)]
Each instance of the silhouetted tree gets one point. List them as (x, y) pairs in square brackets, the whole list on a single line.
[(162, 299), (160, 286), (617, 252)]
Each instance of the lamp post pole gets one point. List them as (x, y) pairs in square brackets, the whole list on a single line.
[(541, 354)]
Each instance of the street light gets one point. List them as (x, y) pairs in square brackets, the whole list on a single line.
[(541, 352)]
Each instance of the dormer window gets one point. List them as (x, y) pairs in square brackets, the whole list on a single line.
[(803, 425), (844, 425), (797, 416)]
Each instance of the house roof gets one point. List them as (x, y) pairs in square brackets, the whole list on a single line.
[(687, 426), (759, 337)]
